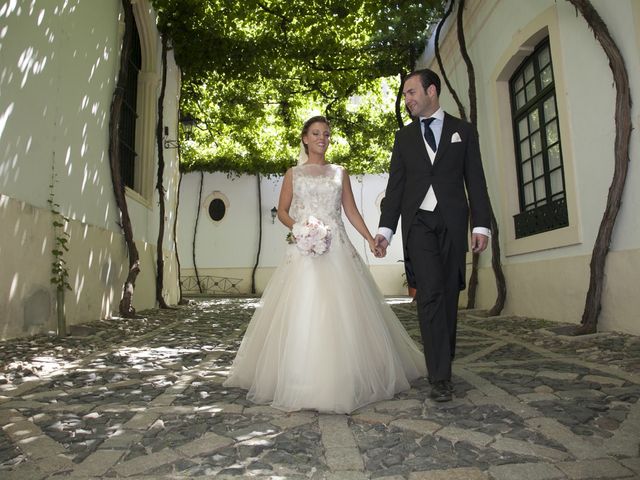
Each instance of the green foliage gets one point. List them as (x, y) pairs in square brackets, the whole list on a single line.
[(59, 272), (254, 70)]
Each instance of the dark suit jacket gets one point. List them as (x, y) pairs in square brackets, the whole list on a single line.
[(456, 166)]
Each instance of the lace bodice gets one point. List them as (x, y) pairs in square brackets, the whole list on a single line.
[(317, 191)]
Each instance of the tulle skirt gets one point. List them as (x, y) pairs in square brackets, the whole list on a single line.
[(323, 338)]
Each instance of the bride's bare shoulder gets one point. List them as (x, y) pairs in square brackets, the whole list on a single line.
[(341, 170)]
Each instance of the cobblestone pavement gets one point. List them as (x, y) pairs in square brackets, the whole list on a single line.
[(143, 399)]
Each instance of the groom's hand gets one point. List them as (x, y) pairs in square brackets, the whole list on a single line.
[(381, 246), (479, 242)]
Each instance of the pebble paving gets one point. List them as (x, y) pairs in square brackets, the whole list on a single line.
[(143, 399)]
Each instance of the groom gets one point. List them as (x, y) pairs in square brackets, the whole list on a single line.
[(434, 158)]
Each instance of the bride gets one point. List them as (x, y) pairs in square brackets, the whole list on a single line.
[(323, 337)]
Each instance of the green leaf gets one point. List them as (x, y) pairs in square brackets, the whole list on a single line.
[(255, 70)]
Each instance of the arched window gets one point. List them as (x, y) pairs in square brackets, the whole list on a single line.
[(128, 114), (136, 143)]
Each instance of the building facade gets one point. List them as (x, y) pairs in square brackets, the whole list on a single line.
[(60, 62), (546, 101)]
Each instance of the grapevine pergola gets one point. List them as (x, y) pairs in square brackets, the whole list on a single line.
[(254, 70)]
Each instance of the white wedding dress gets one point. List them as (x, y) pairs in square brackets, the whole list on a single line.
[(323, 337)]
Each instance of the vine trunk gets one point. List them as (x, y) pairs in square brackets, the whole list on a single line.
[(159, 181), (593, 303), (125, 307)]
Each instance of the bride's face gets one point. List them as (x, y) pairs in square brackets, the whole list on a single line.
[(317, 138)]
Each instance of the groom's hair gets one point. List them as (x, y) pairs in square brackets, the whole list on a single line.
[(427, 78), (307, 125)]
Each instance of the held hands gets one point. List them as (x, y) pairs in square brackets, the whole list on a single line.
[(380, 246), (479, 242), (375, 249)]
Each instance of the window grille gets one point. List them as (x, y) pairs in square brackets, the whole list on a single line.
[(541, 183), (128, 115)]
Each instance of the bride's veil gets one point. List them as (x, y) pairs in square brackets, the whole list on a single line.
[(302, 156)]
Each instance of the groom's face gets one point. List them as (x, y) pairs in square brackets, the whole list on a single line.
[(419, 102)]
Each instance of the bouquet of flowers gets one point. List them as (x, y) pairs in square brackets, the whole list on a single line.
[(312, 237)]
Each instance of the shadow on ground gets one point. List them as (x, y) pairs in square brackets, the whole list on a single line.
[(143, 398)]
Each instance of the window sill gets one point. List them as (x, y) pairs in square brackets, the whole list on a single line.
[(561, 237), (133, 195)]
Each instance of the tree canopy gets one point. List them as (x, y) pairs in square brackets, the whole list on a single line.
[(254, 70)]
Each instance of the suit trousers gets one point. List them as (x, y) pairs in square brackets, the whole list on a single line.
[(436, 267)]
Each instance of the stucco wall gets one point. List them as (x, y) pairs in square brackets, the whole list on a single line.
[(60, 61), (229, 247), (547, 274)]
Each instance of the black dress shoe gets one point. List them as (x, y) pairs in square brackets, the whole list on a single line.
[(440, 392), (449, 385)]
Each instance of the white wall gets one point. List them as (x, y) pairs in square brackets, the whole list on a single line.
[(60, 60), (229, 247), (54, 102)]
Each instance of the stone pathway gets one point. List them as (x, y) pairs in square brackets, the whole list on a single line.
[(143, 399)]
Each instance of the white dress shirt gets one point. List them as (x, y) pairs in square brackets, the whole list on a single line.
[(430, 201)]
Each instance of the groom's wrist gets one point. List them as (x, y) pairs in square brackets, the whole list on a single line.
[(386, 232), (482, 230)]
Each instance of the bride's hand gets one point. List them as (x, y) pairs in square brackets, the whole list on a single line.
[(372, 247)]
